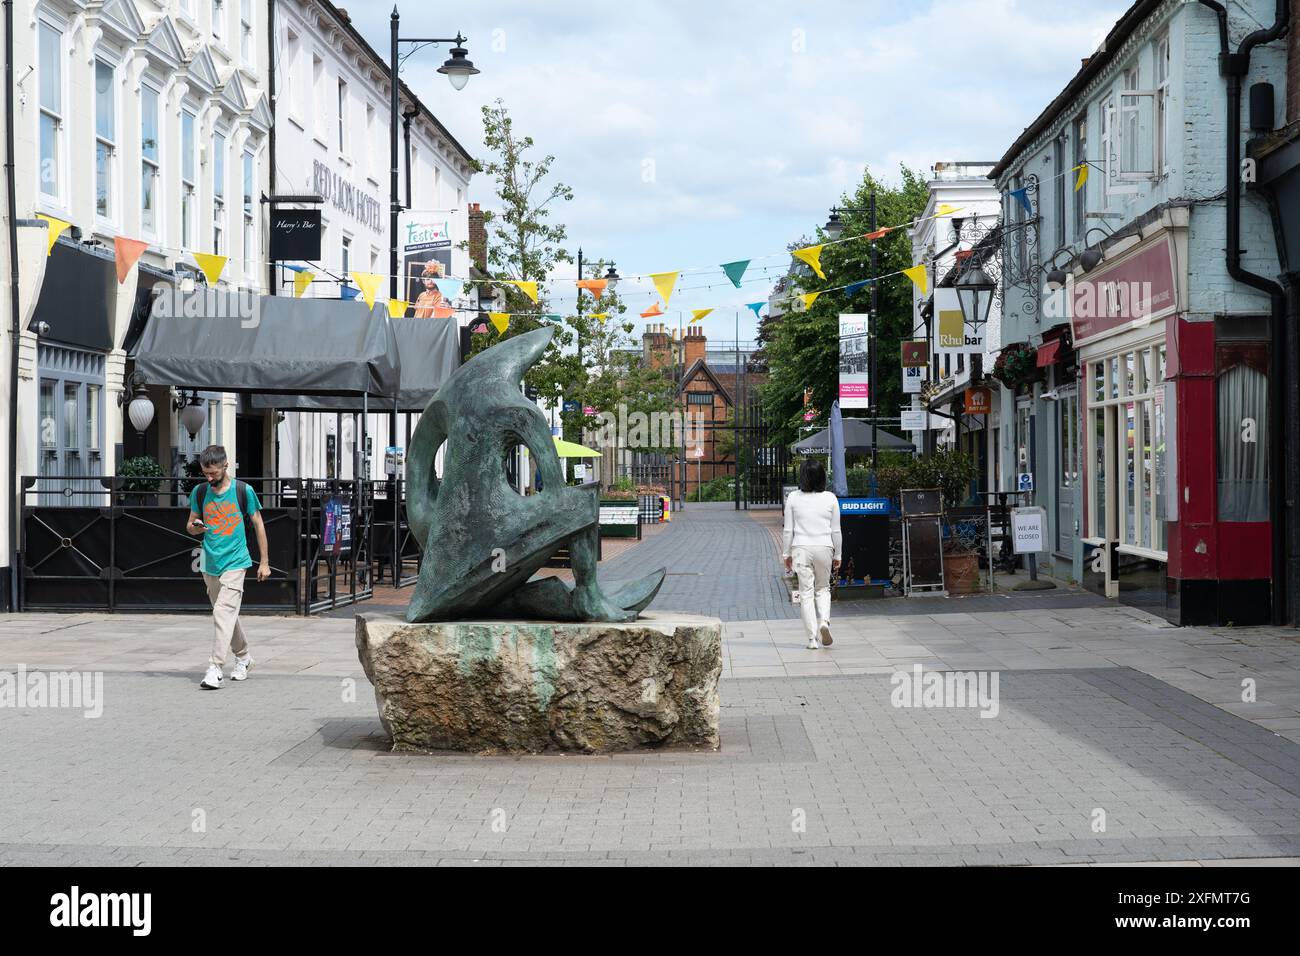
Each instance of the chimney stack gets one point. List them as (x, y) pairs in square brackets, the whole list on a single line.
[(695, 344), (477, 238)]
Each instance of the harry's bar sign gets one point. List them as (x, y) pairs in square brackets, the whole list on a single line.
[(344, 196), (295, 234)]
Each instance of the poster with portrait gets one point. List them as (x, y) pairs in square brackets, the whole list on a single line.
[(424, 246)]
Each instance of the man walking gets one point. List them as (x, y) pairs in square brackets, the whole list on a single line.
[(225, 506)]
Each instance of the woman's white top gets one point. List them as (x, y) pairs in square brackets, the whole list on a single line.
[(812, 521)]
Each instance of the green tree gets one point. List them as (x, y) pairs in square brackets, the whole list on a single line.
[(801, 348)]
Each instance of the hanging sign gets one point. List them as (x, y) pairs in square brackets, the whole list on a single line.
[(979, 401), (295, 234), (855, 359), (424, 244), (955, 336), (913, 380), (916, 354), (914, 420), (394, 459)]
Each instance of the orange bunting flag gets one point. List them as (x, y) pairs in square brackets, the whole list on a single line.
[(808, 299), (664, 282), (813, 256), (56, 228), (397, 308), (918, 275), (211, 265), (879, 233), (127, 252), (697, 314), (595, 286), (651, 312), (499, 320)]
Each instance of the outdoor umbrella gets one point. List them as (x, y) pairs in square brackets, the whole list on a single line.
[(570, 449), (857, 440)]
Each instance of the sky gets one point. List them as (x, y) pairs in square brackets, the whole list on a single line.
[(697, 133)]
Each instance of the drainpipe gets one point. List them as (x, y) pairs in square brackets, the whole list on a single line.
[(11, 199), (1234, 67), (270, 139)]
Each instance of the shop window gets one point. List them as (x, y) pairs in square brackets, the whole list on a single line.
[(1242, 395)]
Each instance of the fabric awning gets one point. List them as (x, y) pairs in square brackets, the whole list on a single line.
[(1048, 353), (429, 350), (286, 346), (857, 440)]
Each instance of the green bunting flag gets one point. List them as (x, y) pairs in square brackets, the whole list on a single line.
[(735, 270)]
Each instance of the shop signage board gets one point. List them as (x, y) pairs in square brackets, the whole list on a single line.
[(855, 376), (864, 506), (955, 336), (395, 459), (978, 401), (915, 354), (295, 234), (1028, 530), (1132, 291), (914, 380), (914, 420)]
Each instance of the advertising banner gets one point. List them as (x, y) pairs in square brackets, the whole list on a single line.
[(855, 361), (424, 256)]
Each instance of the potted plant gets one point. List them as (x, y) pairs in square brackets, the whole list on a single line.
[(620, 510), (142, 476), (961, 563)]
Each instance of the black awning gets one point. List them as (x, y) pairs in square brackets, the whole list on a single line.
[(269, 344), (429, 351), (78, 297), (857, 440)]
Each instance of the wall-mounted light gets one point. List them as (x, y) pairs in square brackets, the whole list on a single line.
[(193, 412), (140, 411)]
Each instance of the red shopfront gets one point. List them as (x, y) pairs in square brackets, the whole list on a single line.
[(1175, 440)]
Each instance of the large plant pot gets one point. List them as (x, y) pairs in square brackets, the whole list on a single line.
[(961, 573)]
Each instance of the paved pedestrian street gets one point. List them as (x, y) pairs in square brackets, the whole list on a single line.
[(1109, 737)]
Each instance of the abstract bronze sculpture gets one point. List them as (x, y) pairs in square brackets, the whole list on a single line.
[(482, 540)]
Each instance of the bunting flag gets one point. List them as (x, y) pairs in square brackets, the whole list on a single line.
[(552, 317), (347, 292), (602, 316), (697, 314), (301, 280), (651, 312), (1083, 176), (755, 306), (853, 288), (451, 289), (595, 286), (918, 275), (442, 312), (499, 320), (211, 265), (55, 229), (813, 256), (946, 210), (664, 282), (527, 288), (127, 252), (368, 282), (879, 233), (397, 308), (735, 270), (808, 299)]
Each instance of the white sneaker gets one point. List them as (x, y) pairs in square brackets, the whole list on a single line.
[(813, 645), (212, 679), (240, 670), (824, 630)]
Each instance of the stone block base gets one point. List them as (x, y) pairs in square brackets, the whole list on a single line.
[(531, 686)]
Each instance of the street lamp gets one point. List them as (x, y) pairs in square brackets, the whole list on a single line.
[(835, 226), (975, 295), (458, 67), (193, 414), (140, 409)]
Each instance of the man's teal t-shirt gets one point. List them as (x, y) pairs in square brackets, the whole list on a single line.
[(225, 547)]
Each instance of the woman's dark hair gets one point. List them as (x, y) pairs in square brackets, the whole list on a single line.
[(812, 476)]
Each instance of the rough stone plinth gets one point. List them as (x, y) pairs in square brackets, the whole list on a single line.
[(532, 686)]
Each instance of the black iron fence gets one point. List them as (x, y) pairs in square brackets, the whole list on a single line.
[(107, 543)]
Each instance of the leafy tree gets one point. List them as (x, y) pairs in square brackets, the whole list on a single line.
[(801, 348)]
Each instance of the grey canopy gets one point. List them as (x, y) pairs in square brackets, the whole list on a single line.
[(285, 346), (429, 350), (857, 440)]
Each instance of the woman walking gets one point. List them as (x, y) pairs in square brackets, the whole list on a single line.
[(812, 547)]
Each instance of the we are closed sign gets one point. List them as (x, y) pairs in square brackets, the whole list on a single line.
[(1027, 529)]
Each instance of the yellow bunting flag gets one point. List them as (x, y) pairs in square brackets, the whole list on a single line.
[(397, 308), (808, 299), (499, 320), (368, 283), (528, 288), (300, 282), (946, 210), (602, 316), (918, 275), (595, 286), (813, 256), (697, 314), (664, 283), (211, 265), (127, 252), (56, 229), (1082, 178)]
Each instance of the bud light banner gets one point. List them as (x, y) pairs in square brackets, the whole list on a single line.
[(855, 361)]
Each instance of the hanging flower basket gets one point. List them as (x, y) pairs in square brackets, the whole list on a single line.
[(1017, 365)]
